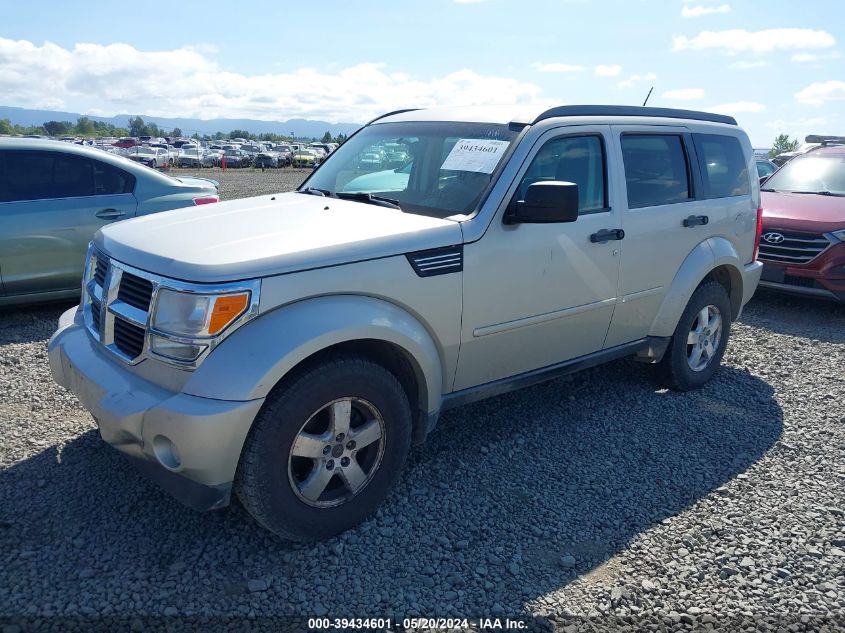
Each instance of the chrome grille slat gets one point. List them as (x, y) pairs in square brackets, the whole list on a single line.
[(796, 248)]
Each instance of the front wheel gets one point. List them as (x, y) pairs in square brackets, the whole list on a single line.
[(325, 449), (698, 344)]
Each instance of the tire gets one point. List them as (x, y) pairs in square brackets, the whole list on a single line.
[(689, 365), (278, 487)]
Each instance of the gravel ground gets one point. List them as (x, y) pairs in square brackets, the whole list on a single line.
[(597, 502), (245, 182)]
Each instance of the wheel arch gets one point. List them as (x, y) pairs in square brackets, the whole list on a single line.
[(713, 259), (268, 350)]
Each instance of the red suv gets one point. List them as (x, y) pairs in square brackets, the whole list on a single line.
[(803, 242)]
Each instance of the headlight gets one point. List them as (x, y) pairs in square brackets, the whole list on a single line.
[(839, 235), (186, 324), (197, 315)]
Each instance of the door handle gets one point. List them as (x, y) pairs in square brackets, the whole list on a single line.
[(109, 214), (607, 234), (695, 220)]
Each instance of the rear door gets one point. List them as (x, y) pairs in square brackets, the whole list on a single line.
[(51, 204), (658, 193)]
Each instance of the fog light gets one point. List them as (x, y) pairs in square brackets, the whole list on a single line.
[(166, 453), (176, 350)]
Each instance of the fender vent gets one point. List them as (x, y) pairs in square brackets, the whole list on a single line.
[(438, 261)]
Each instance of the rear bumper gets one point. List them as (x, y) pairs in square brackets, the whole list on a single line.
[(187, 444)]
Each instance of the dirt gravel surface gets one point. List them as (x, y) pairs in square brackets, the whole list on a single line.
[(597, 502), (249, 181)]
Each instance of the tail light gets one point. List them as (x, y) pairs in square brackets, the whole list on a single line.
[(758, 233), (210, 199)]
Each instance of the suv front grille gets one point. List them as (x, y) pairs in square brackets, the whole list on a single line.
[(795, 248), (135, 291), (128, 338), (117, 306)]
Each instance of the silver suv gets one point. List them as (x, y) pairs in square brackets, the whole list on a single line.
[(293, 347)]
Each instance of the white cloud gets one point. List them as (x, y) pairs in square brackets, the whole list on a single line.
[(700, 10), (737, 107), (804, 57), (766, 41), (684, 94), (556, 68), (633, 79), (808, 123), (820, 92), (746, 65), (119, 79), (608, 70)]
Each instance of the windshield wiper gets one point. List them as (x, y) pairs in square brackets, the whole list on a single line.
[(362, 196), (768, 189), (316, 192), (819, 193)]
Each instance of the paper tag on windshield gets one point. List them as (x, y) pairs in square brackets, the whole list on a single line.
[(478, 155)]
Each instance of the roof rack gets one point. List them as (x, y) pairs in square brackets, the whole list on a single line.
[(825, 140), (622, 110)]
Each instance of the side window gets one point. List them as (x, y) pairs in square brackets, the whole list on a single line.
[(578, 159), (656, 170), (723, 167), (110, 180), (35, 175)]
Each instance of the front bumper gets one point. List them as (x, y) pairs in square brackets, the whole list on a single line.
[(189, 445), (822, 277)]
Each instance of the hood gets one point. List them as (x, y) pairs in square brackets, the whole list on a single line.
[(803, 211), (269, 235)]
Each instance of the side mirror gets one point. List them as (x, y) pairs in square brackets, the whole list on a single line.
[(546, 202)]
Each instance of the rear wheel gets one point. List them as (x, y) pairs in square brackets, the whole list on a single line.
[(325, 449), (698, 344)]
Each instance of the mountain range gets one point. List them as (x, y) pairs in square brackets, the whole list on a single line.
[(303, 128)]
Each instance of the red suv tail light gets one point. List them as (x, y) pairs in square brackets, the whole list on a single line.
[(210, 199), (758, 233)]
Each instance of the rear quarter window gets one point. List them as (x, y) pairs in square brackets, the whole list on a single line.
[(724, 170), (656, 169)]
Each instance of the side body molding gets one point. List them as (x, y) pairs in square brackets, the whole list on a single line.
[(251, 361), (704, 258)]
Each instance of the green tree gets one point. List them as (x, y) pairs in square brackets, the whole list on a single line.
[(176, 132), (239, 134), (327, 137), (783, 144), (6, 126), (58, 128), (84, 126), (136, 126)]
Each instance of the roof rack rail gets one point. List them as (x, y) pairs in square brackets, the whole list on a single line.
[(623, 110), (382, 116), (825, 139)]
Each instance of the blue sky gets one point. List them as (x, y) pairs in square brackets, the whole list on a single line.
[(776, 66)]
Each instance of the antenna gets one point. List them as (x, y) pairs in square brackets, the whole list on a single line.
[(647, 96)]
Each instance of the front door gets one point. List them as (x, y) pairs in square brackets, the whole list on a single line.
[(539, 294)]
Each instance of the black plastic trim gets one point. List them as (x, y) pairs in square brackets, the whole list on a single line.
[(189, 493), (536, 376), (437, 261), (622, 110)]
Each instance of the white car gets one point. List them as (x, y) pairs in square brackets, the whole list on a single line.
[(292, 348)]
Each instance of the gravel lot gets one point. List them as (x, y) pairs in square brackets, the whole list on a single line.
[(591, 503), (245, 182)]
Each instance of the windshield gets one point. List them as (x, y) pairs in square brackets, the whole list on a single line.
[(429, 168), (810, 174)]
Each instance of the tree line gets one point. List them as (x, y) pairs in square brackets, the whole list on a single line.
[(88, 128)]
